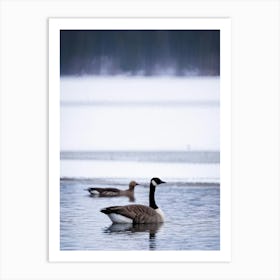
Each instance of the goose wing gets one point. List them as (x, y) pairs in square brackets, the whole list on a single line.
[(137, 212), (105, 191)]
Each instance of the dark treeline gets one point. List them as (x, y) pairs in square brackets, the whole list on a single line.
[(140, 52)]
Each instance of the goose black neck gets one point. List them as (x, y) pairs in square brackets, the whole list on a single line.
[(152, 197)]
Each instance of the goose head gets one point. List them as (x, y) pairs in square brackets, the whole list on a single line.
[(132, 185), (156, 181)]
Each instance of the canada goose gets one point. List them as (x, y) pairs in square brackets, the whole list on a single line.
[(108, 192), (137, 213)]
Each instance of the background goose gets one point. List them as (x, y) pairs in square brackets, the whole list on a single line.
[(137, 213), (108, 192)]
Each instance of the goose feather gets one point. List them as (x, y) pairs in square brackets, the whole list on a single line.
[(137, 213)]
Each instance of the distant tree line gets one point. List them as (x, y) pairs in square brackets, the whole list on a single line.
[(140, 52)]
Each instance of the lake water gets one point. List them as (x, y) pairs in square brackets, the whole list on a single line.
[(191, 202), (114, 130), (191, 218)]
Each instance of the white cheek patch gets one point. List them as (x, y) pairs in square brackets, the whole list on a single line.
[(154, 183)]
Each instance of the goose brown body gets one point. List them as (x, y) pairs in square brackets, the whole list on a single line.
[(110, 192), (137, 213)]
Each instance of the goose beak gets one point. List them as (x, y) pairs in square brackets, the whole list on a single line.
[(162, 182)]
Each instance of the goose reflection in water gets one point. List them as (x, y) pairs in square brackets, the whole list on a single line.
[(130, 196), (152, 229)]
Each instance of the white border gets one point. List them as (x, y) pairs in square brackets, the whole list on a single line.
[(222, 24)]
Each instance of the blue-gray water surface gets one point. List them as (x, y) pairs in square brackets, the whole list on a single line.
[(192, 217)]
